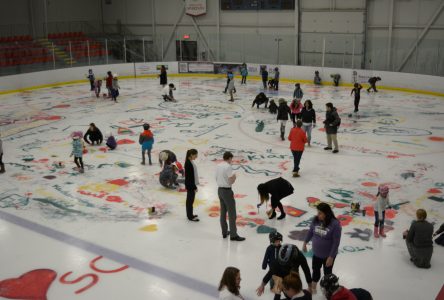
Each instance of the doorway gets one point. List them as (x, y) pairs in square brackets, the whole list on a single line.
[(186, 50)]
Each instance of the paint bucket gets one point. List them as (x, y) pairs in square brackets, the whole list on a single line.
[(151, 210)]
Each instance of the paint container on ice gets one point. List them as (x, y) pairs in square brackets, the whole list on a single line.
[(151, 210)]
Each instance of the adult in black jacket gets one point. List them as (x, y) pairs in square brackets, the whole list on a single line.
[(290, 258), (260, 99), (191, 182), (94, 134), (372, 81), (331, 125), (283, 114), (357, 91), (163, 76), (278, 188)]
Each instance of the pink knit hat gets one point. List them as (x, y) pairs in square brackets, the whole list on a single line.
[(383, 190), (77, 135)]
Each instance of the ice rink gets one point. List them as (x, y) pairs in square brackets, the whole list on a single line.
[(89, 236)]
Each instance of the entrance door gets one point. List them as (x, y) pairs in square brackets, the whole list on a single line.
[(188, 51)]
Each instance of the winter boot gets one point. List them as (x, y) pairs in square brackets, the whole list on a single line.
[(296, 174), (282, 216), (375, 232), (381, 232), (2, 168), (272, 215)]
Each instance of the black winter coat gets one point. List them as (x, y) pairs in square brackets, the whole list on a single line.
[(190, 182), (163, 78), (293, 265), (94, 136), (278, 188), (332, 121), (283, 112)]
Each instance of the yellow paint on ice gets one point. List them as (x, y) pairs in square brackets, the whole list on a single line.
[(99, 187), (149, 228)]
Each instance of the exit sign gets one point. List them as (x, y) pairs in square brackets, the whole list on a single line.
[(186, 36)]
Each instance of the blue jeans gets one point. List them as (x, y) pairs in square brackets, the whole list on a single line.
[(297, 155), (307, 129), (377, 221)]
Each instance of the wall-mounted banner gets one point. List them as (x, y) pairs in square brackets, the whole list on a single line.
[(201, 67), (196, 67), (196, 8), (183, 67), (223, 68), (146, 69), (359, 77)]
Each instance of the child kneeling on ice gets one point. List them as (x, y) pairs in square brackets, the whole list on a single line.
[(111, 142)]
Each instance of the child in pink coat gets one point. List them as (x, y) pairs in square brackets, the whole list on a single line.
[(296, 108)]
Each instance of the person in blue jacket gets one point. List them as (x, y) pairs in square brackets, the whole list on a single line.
[(264, 74), (146, 140), (244, 73)]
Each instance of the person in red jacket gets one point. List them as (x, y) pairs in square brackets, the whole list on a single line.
[(297, 138), (333, 291)]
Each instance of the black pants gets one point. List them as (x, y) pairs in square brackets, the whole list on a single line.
[(293, 118), (357, 99), (379, 222), (317, 263), (297, 155), (92, 84), (276, 85), (148, 151), (1, 158), (264, 81), (372, 86), (79, 162), (276, 203), (189, 203), (244, 80), (226, 87)]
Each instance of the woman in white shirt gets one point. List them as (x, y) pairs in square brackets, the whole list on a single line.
[(230, 284)]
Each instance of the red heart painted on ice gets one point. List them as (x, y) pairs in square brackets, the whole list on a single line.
[(30, 286)]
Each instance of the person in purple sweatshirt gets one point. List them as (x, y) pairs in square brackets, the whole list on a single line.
[(325, 234)]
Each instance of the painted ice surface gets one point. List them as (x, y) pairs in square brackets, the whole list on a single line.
[(89, 236)]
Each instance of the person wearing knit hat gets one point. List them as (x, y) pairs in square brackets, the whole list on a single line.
[(382, 202), (77, 149)]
